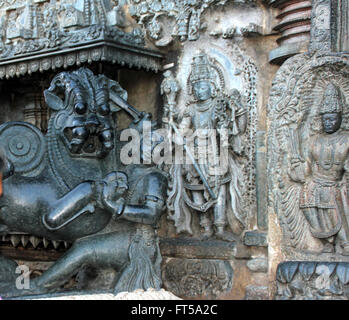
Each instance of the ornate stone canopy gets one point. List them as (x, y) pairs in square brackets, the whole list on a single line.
[(40, 35)]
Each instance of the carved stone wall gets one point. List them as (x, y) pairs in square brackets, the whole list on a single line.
[(41, 38), (249, 76), (309, 251), (298, 280)]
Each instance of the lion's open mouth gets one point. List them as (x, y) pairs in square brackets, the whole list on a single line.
[(24, 246)]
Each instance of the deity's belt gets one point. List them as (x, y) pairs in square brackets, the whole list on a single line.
[(198, 187), (326, 182)]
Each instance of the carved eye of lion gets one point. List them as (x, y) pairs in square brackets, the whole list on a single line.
[(80, 108)]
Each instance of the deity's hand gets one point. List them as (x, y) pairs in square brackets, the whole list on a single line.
[(179, 140), (297, 169), (119, 207), (114, 188)]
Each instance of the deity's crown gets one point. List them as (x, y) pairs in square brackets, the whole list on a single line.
[(200, 68), (333, 100)]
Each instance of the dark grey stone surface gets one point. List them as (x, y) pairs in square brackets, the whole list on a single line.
[(256, 238)]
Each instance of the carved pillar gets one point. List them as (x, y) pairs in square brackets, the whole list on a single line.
[(342, 25), (294, 28), (34, 108), (31, 109), (322, 26), (329, 30)]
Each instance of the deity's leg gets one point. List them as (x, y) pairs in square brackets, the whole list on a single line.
[(343, 234), (315, 218), (219, 212), (204, 220), (344, 241), (311, 214)]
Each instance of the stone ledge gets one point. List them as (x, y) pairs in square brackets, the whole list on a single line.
[(150, 294), (196, 249)]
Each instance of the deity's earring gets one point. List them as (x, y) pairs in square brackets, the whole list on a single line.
[(214, 92), (191, 93)]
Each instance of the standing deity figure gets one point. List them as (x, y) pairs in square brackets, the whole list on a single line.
[(323, 198), (169, 88), (217, 121)]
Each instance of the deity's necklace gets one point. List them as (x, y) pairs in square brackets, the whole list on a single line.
[(206, 105)]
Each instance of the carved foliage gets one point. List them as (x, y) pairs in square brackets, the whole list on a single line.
[(156, 18), (197, 278), (312, 281)]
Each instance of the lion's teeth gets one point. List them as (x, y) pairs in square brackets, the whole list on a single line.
[(15, 240), (55, 244), (24, 240), (45, 242), (34, 241)]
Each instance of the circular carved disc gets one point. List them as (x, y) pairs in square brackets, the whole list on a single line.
[(23, 144)]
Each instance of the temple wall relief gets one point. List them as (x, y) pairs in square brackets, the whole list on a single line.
[(245, 191), (307, 156)]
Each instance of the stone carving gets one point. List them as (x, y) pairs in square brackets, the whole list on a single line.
[(25, 241), (38, 28), (191, 278), (65, 186), (342, 14), (138, 294), (214, 181), (297, 280), (186, 13), (329, 26), (28, 23), (10, 4), (308, 150), (321, 200), (12, 31), (169, 89), (293, 27), (250, 30), (321, 28)]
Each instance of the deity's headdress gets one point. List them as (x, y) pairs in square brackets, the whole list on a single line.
[(200, 68), (203, 69), (333, 100)]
